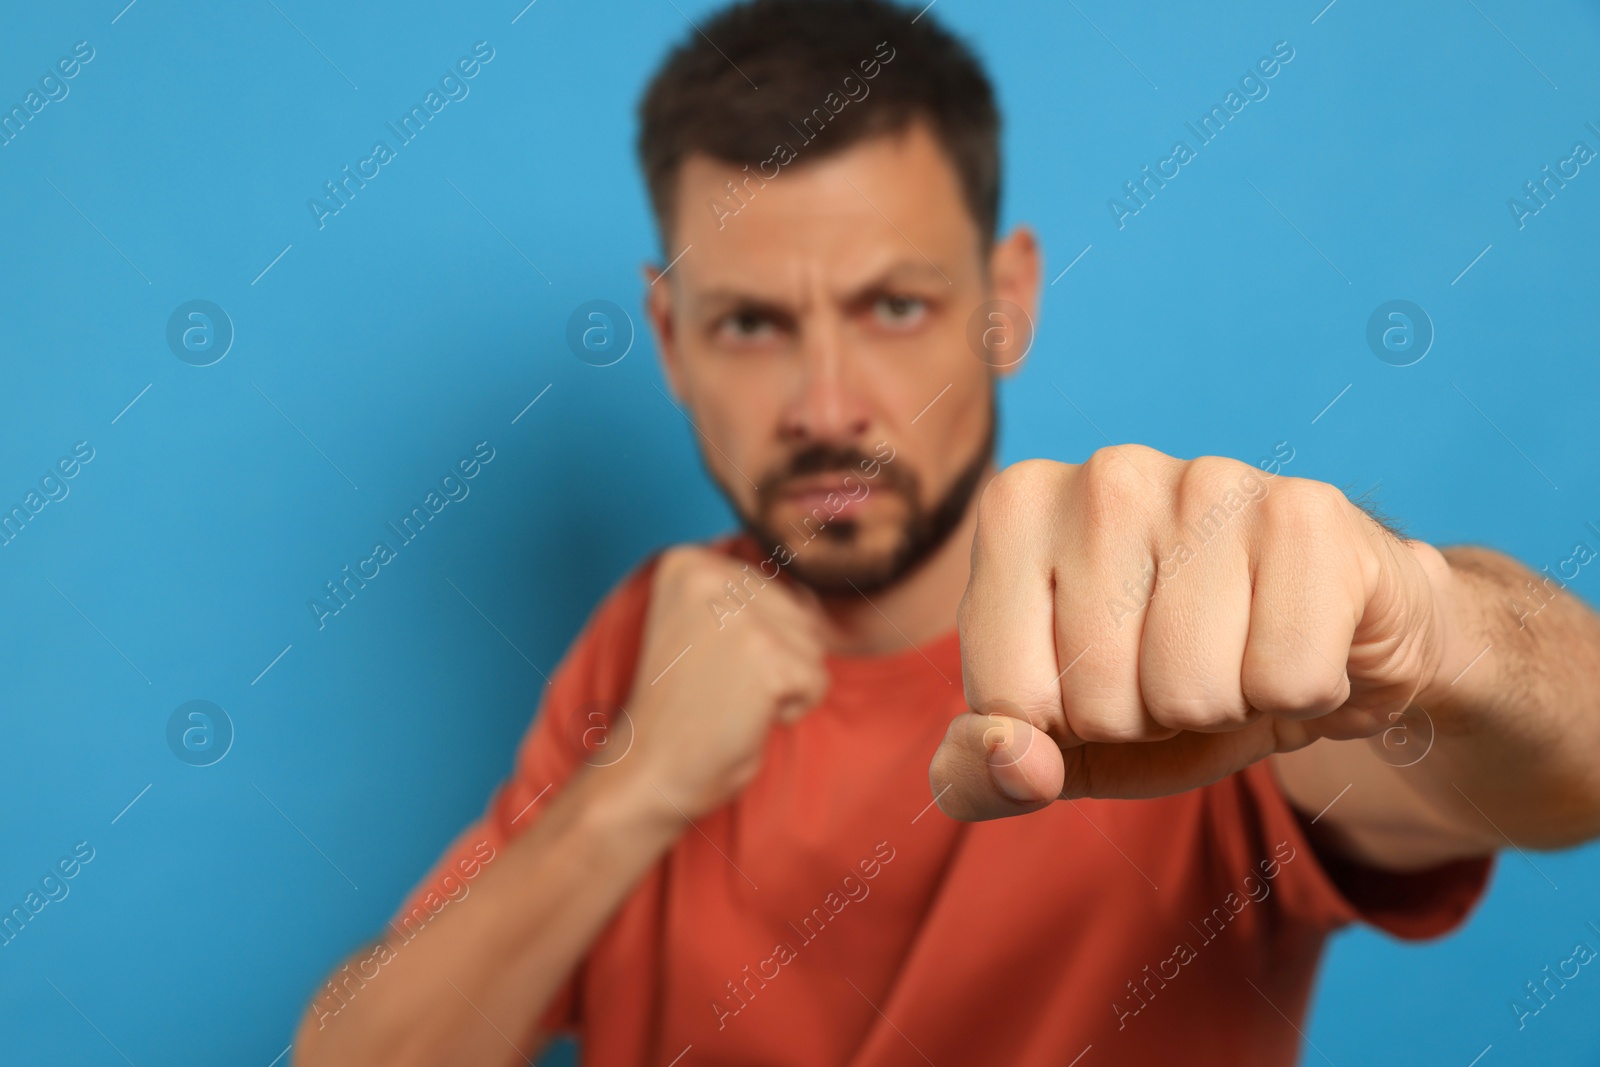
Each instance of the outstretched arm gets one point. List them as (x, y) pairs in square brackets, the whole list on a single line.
[(1505, 750), (1139, 625)]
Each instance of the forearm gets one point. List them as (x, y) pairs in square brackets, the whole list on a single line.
[(1516, 752), (531, 917)]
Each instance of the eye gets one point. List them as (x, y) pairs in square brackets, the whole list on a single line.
[(746, 324), (899, 311)]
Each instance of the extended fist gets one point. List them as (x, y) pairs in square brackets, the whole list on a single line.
[(1138, 625)]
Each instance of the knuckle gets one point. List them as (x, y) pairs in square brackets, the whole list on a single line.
[(761, 646), (1319, 499), (966, 613), (1202, 713), (1301, 507), (669, 566), (1294, 693), (1106, 729), (810, 674), (1113, 484), (702, 592), (1015, 492), (955, 735), (1143, 456), (678, 558), (1206, 478), (1212, 490), (681, 563)]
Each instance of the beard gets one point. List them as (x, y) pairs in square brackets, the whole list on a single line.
[(834, 560)]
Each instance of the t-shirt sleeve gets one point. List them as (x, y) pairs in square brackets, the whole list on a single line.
[(1330, 890), (574, 724)]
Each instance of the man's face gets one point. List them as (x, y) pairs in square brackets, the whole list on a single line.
[(818, 336)]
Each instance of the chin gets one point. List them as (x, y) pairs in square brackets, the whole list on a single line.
[(848, 580), (861, 563)]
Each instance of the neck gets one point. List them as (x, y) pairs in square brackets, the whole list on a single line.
[(918, 608)]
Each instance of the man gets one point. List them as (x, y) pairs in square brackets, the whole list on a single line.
[(720, 845)]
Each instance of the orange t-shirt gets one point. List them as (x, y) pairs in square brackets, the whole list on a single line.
[(831, 915)]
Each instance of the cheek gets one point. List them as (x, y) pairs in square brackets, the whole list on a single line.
[(737, 426), (955, 434), (740, 406)]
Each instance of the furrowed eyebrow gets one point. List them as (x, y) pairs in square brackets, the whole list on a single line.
[(905, 273), (912, 270), (724, 299), (720, 304)]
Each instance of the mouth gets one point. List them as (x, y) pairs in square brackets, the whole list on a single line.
[(835, 495)]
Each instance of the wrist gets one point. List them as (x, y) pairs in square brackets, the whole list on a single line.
[(627, 800)]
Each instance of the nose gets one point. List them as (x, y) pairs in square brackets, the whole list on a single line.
[(828, 406)]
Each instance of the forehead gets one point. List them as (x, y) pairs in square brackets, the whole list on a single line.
[(889, 205)]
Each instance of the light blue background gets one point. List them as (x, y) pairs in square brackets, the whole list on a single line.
[(412, 326)]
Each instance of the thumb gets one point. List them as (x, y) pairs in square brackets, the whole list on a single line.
[(992, 765)]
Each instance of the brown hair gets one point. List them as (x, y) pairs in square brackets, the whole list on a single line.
[(763, 73)]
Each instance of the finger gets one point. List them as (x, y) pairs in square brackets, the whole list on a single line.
[(1306, 600), (796, 624), (792, 673), (1007, 616), (1199, 619), (800, 607), (991, 766), (802, 683), (1180, 763), (1102, 595), (795, 637), (779, 605), (1023, 760), (801, 665), (792, 709)]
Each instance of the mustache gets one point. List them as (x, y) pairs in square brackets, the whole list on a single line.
[(824, 458)]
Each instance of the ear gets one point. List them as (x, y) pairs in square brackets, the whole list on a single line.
[(1014, 270), (658, 310)]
